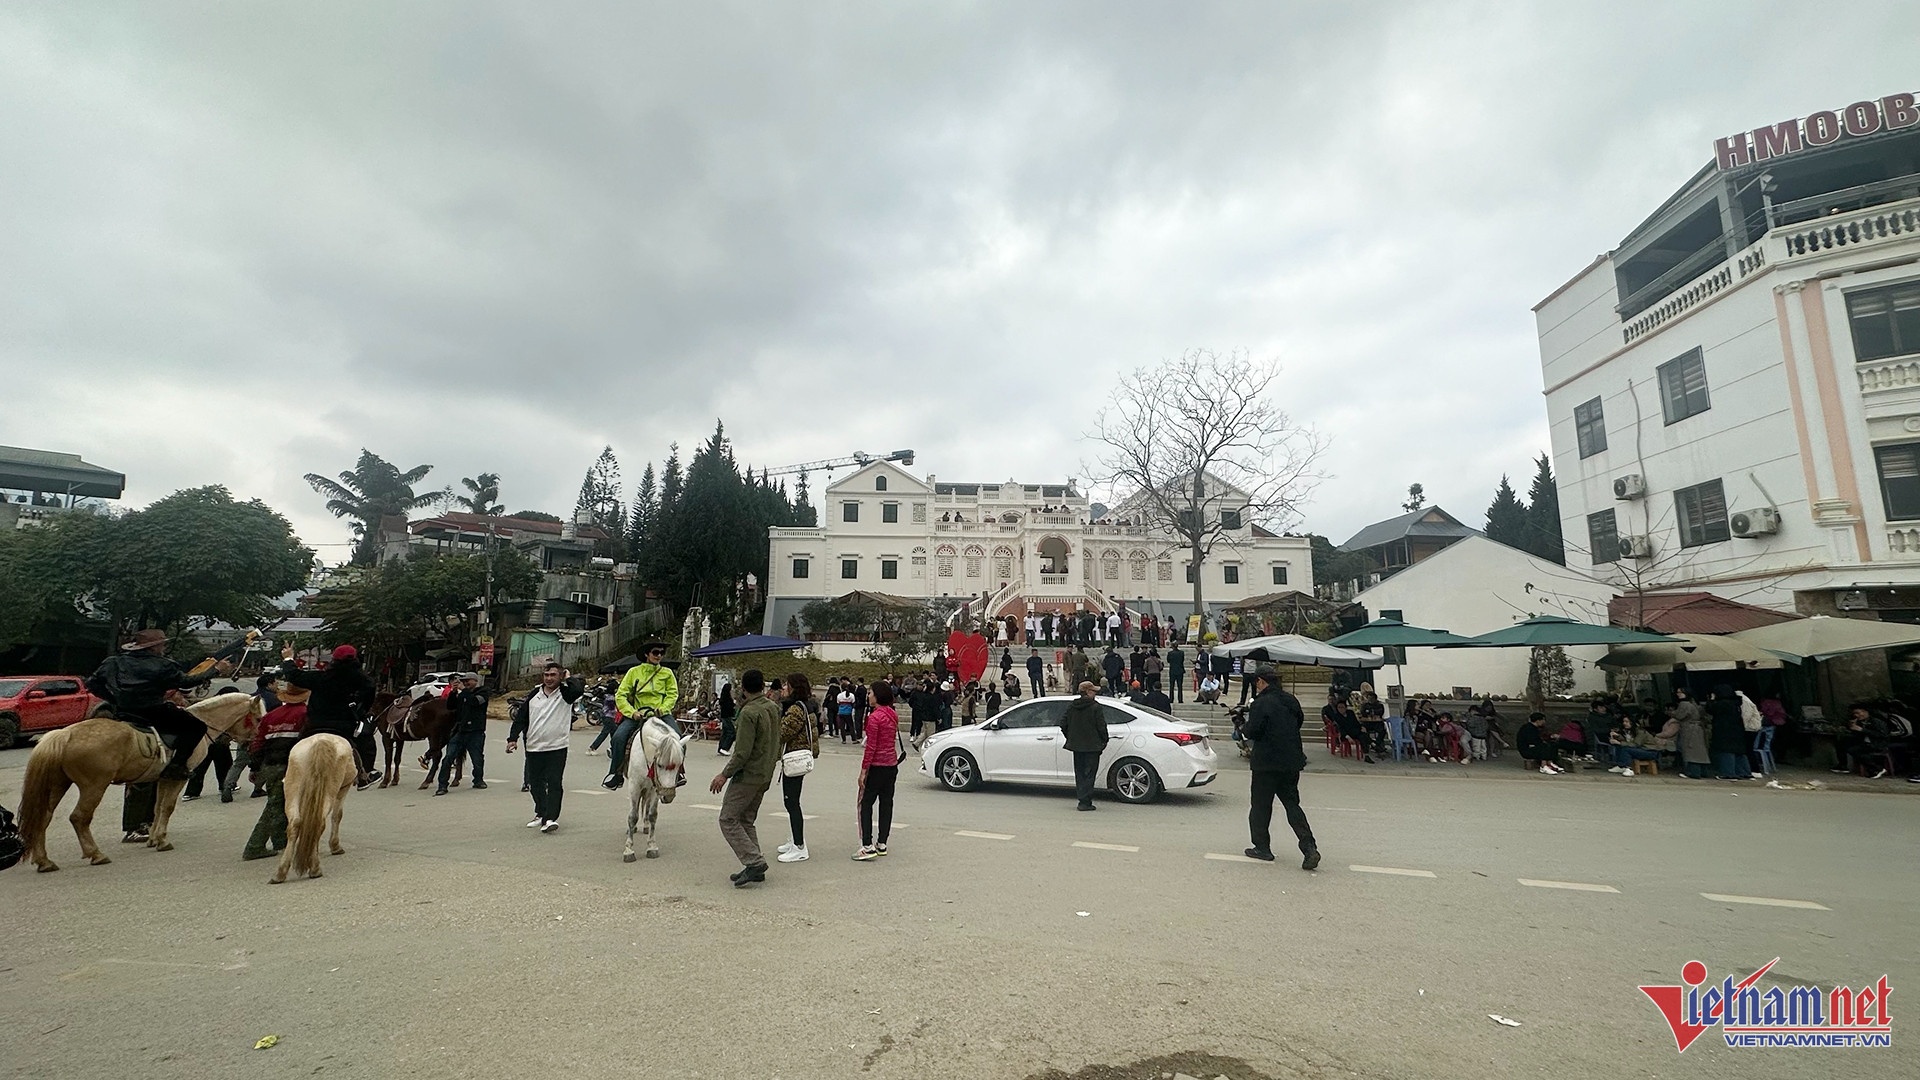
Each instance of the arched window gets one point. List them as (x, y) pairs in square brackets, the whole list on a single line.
[(1138, 559), (943, 560), (1054, 552), (1003, 563), (1110, 565), (880, 483), (976, 557)]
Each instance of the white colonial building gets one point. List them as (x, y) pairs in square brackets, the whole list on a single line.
[(1734, 392), (1020, 546)]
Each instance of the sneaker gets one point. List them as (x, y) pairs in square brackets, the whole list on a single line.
[(726, 753), (612, 783), (136, 836), (371, 781), (252, 855), (440, 791), (879, 849), (525, 789), (536, 823), (1757, 776), (798, 854), (1311, 861), (226, 796), (188, 798), (1839, 772), (1260, 853), (479, 785), (1878, 775), (1913, 779), (1547, 770), (786, 847), (258, 793), (865, 854), (549, 826)]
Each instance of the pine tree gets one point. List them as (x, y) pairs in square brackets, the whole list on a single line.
[(1543, 514), (1507, 517), (1416, 498), (641, 515), (803, 512), (600, 501)]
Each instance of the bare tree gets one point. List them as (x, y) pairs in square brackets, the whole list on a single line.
[(1196, 436)]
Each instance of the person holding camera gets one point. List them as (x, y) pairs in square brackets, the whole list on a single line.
[(1273, 727)]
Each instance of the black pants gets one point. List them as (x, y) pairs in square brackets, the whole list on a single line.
[(726, 733), (1178, 687), (136, 812), (1267, 785), (170, 719), (474, 746), (1086, 763), (790, 788), (1034, 682), (878, 788), (545, 770), (220, 759)]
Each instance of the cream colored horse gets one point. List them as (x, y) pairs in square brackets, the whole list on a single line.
[(320, 772), (96, 754)]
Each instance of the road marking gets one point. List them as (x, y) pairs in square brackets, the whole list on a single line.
[(1576, 886), (589, 791), (1339, 809), (1391, 870), (703, 806), (985, 835), (1217, 857), (1765, 901), (1104, 847)]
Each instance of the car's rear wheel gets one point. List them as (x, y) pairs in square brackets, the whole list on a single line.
[(1134, 781), (957, 771), (9, 731)]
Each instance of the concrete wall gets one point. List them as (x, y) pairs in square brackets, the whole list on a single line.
[(1477, 586)]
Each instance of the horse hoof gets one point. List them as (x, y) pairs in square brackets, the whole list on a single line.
[(628, 857), (97, 860), (652, 853), (47, 868), (314, 873), (164, 845), (276, 880)]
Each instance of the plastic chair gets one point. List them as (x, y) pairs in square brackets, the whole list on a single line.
[(1399, 737), (1763, 749)]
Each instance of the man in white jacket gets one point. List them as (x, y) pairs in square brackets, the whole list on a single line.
[(545, 721)]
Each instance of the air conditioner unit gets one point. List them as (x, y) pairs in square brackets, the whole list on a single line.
[(1630, 486), (1636, 547), (1762, 522)]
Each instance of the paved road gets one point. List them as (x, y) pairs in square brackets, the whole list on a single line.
[(450, 941)]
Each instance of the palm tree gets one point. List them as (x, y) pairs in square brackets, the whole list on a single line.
[(375, 488), (482, 490)]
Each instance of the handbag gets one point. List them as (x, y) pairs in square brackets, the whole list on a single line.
[(799, 762)]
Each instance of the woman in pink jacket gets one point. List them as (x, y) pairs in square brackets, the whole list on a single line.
[(879, 771)]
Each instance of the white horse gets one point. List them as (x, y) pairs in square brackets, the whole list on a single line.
[(664, 754)]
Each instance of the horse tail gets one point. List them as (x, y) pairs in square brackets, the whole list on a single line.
[(44, 785), (308, 793)]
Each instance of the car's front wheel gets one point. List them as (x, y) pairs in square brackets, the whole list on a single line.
[(1134, 781), (957, 771)]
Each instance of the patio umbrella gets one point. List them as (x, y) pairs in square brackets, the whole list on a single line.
[(1543, 630), (1298, 649), (620, 666), (1393, 632), (1823, 635), (749, 643), (1686, 649)]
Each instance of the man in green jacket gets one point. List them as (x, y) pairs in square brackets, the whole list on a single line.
[(1085, 726), (647, 689), (747, 775)]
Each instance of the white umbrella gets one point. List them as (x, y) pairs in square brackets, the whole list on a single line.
[(1823, 635), (1689, 649), (1299, 649)]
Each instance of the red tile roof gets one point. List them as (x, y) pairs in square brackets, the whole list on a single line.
[(1690, 613)]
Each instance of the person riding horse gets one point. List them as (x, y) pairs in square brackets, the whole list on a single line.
[(342, 694), (135, 681), (648, 689)]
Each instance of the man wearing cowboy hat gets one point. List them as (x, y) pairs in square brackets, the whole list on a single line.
[(135, 681), (273, 740), (648, 689)]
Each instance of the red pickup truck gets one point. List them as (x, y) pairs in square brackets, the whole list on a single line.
[(33, 704)]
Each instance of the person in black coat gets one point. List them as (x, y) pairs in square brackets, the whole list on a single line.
[(1726, 735), (1115, 667), (342, 693), (1083, 725), (1036, 667), (1273, 727), (1177, 673), (469, 705), (924, 701)]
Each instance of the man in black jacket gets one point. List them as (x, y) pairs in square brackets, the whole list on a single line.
[(1084, 725), (469, 737), (1114, 667), (135, 682), (342, 693), (1177, 673), (924, 702), (1273, 727)]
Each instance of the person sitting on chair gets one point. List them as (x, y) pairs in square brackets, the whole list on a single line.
[(135, 682), (648, 689), (1534, 747)]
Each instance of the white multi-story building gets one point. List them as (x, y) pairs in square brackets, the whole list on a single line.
[(1734, 392), (1020, 546)]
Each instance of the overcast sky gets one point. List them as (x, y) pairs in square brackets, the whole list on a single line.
[(239, 242)]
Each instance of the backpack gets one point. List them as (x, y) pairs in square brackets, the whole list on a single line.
[(1898, 727), (1749, 714), (11, 846)]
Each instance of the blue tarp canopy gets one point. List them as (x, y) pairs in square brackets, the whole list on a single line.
[(750, 643)]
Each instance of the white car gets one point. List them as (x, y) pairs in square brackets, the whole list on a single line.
[(431, 684), (1147, 751)]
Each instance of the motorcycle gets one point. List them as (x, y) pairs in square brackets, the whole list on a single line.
[(1238, 714)]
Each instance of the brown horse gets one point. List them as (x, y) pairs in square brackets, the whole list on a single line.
[(402, 722), (320, 772), (96, 754)]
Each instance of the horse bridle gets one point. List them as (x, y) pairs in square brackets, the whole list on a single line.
[(652, 777)]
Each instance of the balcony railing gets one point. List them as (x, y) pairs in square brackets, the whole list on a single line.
[(1899, 373)]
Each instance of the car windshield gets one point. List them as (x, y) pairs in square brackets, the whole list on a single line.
[(12, 687)]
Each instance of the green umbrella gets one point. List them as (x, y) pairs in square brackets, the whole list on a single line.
[(1393, 632), (1543, 630)]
